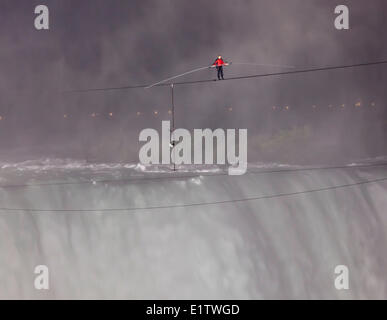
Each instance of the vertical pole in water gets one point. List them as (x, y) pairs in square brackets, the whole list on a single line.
[(173, 124)]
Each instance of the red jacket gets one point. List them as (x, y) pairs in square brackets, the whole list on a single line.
[(219, 62)]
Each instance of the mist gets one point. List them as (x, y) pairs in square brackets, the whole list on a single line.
[(103, 44), (74, 198)]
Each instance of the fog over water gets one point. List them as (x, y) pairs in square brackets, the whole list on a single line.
[(74, 197), (111, 44)]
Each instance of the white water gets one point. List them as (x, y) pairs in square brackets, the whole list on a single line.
[(284, 247)]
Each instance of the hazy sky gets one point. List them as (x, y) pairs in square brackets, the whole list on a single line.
[(101, 43)]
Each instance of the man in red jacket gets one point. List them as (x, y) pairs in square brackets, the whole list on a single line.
[(219, 63)]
